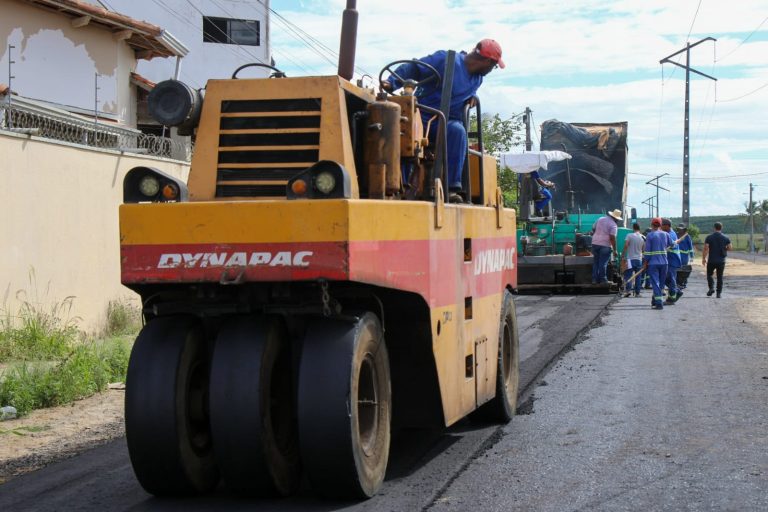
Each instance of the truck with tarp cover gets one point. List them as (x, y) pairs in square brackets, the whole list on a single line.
[(590, 180)]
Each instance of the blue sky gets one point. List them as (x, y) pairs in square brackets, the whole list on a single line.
[(589, 61)]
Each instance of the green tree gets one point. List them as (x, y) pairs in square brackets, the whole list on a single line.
[(694, 232), (752, 209), (499, 136), (762, 213), (764, 223)]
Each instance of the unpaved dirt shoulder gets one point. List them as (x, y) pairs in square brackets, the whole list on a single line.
[(48, 435)]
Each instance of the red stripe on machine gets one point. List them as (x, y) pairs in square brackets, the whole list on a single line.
[(427, 267)]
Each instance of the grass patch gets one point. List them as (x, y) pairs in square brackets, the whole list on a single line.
[(50, 362), (86, 370), (23, 431), (122, 318), (37, 335)]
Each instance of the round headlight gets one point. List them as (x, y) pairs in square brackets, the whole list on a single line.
[(149, 186), (325, 182)]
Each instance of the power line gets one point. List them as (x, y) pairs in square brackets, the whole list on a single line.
[(535, 133), (230, 14), (705, 177), (686, 39), (744, 40), (703, 106), (745, 95), (231, 41), (314, 44), (199, 29), (693, 21), (319, 43), (709, 125)]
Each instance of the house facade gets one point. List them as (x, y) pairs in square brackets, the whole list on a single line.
[(221, 36), (67, 138), (79, 57)]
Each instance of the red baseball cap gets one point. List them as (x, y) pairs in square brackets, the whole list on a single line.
[(490, 49), (656, 221)]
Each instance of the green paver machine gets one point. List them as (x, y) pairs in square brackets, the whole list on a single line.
[(587, 163)]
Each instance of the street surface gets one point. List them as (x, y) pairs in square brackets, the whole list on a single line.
[(422, 463), (645, 410), (654, 410)]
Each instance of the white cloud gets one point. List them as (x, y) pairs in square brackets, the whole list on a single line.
[(590, 61)]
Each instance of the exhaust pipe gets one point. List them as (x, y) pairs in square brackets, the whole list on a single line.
[(348, 41)]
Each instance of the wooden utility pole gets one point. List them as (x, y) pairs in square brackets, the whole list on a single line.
[(688, 70)]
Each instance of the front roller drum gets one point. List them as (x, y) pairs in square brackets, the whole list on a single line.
[(166, 420), (252, 407), (344, 406)]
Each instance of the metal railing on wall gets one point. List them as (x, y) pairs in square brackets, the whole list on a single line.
[(51, 124)]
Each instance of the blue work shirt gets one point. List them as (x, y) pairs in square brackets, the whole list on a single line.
[(686, 250), (465, 85), (656, 243), (673, 252)]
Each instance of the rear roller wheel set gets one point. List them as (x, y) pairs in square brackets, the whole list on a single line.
[(253, 410)]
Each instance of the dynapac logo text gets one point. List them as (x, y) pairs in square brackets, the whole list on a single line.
[(494, 260), (234, 259)]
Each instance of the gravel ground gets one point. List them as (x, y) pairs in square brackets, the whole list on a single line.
[(48, 435)]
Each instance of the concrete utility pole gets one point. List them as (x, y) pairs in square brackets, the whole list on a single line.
[(527, 121), (649, 202), (656, 179), (688, 70), (751, 220)]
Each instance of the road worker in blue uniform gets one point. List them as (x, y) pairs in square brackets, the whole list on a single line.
[(686, 255), (655, 261), (544, 196), (674, 263), (469, 70), (644, 276)]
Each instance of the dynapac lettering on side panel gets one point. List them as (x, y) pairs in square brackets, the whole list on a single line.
[(494, 260), (235, 259)]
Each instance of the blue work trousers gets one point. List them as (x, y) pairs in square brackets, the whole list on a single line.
[(634, 266), (546, 198), (657, 273), (601, 254), (456, 150), (671, 283)]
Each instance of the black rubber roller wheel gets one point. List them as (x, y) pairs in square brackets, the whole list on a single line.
[(252, 407), (345, 406), (166, 421), (502, 407)]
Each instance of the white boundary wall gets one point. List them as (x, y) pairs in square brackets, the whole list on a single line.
[(59, 233)]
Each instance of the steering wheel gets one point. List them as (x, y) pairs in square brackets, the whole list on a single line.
[(277, 73), (433, 74)]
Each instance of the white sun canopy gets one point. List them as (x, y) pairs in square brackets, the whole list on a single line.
[(524, 163)]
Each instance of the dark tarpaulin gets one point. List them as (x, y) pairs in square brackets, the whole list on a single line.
[(598, 166)]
